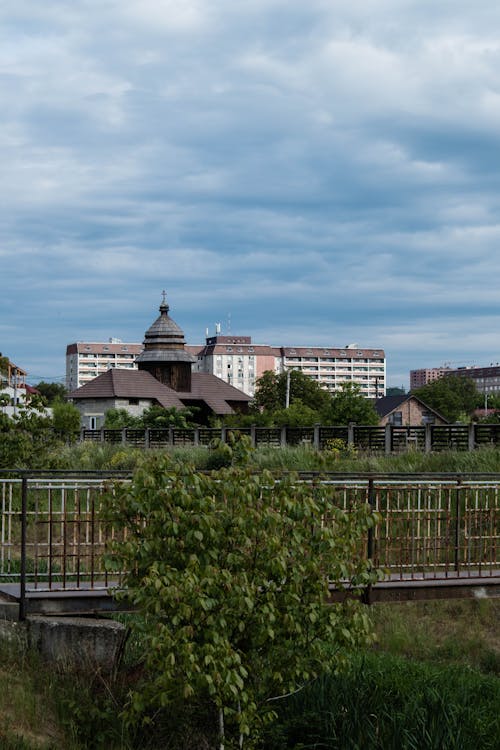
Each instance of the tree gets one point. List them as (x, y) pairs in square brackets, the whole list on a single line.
[(51, 391), (27, 438), (451, 396), (161, 417), (271, 390), (395, 391), (230, 572), (65, 418), (349, 405)]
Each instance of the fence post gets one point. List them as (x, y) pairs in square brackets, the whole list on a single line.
[(316, 440), (253, 435), (388, 439), (283, 436), (101, 438), (82, 435), (124, 434), (428, 437), (223, 434), (170, 435), (472, 436), (147, 438), (196, 436), (350, 434), (22, 582)]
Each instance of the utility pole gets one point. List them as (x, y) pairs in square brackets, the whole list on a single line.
[(287, 397)]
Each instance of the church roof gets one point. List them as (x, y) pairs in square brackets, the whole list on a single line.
[(115, 383), (164, 340)]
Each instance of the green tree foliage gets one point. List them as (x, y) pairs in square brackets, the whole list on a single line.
[(27, 438), (297, 415), (51, 391), (451, 396), (230, 572), (395, 391), (4, 369), (349, 405), (154, 416), (158, 416), (65, 418), (270, 391)]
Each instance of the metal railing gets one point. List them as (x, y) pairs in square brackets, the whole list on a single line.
[(53, 536), (374, 439)]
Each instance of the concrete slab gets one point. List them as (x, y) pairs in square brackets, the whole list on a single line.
[(77, 642)]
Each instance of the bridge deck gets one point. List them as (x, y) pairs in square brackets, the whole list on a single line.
[(89, 601)]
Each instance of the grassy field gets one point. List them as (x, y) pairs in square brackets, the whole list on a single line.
[(435, 667), (102, 457)]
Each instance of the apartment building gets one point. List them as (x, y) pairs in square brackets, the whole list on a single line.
[(487, 379), (421, 377), (86, 360), (240, 362)]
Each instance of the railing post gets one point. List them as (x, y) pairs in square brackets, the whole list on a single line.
[(22, 582), (370, 542), (458, 495), (388, 439)]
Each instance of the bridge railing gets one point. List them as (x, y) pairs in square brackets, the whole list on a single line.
[(53, 536)]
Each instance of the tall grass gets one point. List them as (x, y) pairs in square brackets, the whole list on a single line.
[(106, 456), (383, 702)]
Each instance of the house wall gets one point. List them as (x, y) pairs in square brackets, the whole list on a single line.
[(413, 414), (93, 411)]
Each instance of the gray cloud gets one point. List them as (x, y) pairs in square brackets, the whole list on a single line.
[(326, 173)]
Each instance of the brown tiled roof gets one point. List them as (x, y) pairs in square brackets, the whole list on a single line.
[(116, 383), (216, 393)]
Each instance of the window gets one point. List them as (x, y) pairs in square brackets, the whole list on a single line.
[(396, 418), (133, 402)]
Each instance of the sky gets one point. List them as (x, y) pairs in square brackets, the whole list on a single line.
[(319, 173)]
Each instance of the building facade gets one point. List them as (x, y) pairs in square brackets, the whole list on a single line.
[(239, 362), (487, 379), (86, 360), (421, 377)]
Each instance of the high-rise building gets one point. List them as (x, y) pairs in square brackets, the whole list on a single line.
[(418, 378), (86, 360), (240, 362)]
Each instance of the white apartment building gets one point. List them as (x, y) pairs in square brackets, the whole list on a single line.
[(86, 360), (331, 367), (239, 362)]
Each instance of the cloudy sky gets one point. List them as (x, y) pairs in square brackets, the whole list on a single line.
[(305, 173)]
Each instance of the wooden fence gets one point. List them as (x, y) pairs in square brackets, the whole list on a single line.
[(373, 439)]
